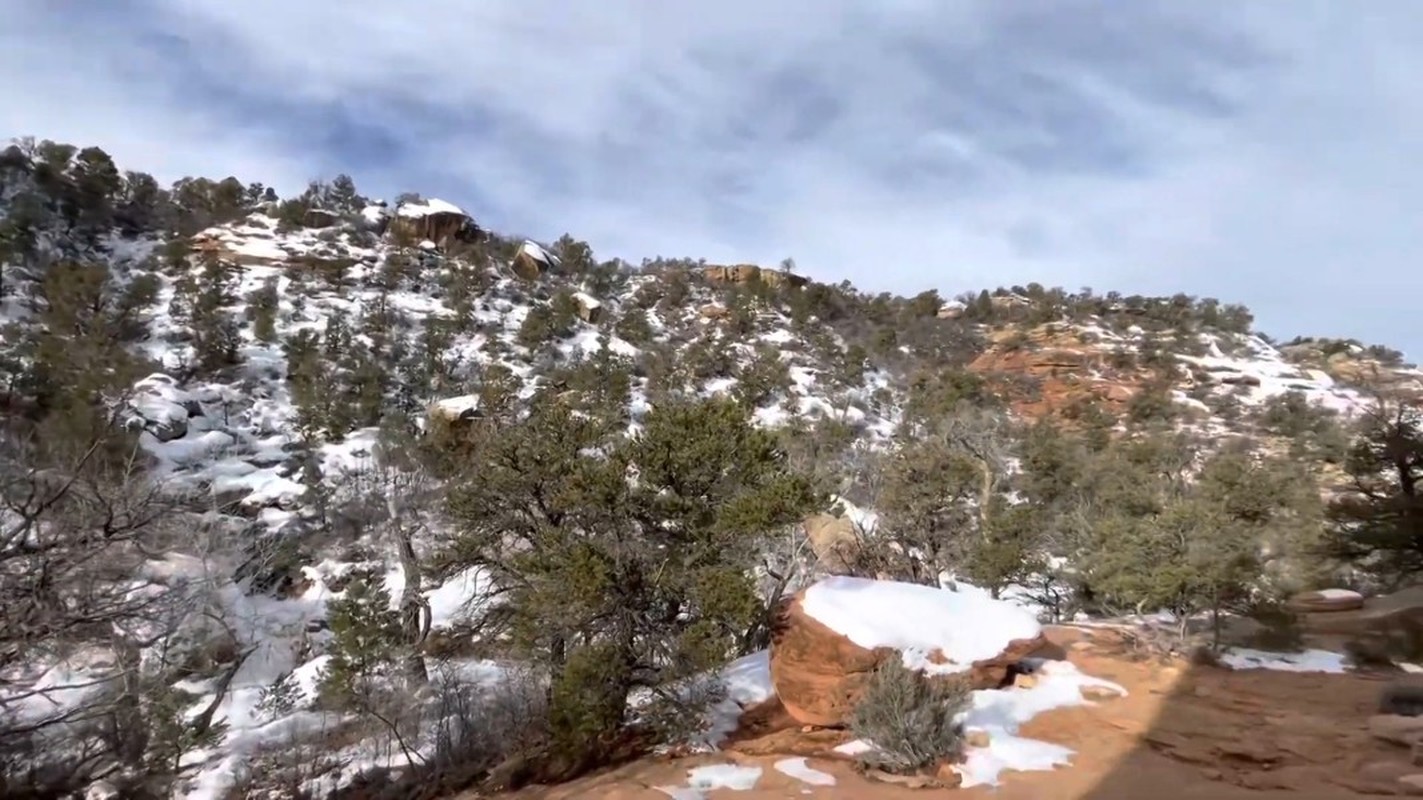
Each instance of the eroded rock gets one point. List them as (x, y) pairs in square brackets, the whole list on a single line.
[(819, 674)]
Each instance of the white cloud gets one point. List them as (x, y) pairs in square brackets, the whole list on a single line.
[(1255, 153)]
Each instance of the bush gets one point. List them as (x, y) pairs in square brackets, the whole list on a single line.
[(909, 717)]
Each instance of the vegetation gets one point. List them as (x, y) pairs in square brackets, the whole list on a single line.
[(612, 486), (909, 717)]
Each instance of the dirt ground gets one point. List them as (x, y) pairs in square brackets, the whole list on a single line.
[(1184, 732)]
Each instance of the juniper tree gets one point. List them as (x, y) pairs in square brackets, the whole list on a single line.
[(624, 561), (1377, 521)]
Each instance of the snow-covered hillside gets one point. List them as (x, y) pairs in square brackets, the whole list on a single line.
[(278, 356)]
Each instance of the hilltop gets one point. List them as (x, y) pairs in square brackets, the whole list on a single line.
[(267, 458)]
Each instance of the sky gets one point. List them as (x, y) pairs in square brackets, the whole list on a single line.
[(1265, 153)]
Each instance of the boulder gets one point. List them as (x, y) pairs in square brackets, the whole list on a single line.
[(319, 218), (715, 311), (1400, 612), (532, 261), (436, 221), (590, 309), (1326, 600), (951, 310), (820, 671), (834, 541)]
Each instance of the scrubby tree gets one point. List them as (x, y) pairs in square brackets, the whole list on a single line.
[(1377, 521), (624, 561)]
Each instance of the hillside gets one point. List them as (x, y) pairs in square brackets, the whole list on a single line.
[(263, 454)]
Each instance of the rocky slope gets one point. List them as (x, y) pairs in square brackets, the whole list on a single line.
[(273, 444)]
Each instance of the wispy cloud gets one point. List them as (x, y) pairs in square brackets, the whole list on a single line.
[(1262, 153)]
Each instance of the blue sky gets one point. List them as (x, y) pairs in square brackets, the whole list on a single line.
[(1264, 153)]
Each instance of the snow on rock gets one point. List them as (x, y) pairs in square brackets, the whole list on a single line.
[(535, 251), (1262, 372), (428, 207), (701, 780), (1304, 661), (919, 621), (162, 408), (803, 772), (834, 632)]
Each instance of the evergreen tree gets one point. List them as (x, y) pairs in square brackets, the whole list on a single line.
[(1377, 522)]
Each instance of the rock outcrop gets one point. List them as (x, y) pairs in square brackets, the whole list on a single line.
[(1064, 369), (742, 274), (819, 673), (436, 221)]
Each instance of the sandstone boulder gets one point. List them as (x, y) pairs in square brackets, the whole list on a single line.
[(532, 261), (1326, 600), (834, 541), (319, 218), (590, 309), (436, 221), (829, 638)]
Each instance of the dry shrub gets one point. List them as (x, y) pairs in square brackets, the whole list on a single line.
[(910, 717)]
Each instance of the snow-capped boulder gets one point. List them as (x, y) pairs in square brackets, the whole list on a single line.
[(435, 220), (952, 310), (590, 309), (319, 218), (532, 261), (830, 637), (1326, 600), (161, 408)]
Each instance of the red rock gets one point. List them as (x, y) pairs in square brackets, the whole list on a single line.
[(819, 673)]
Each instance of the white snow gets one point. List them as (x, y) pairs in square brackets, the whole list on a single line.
[(701, 780), (919, 621), (803, 772), (1339, 594), (1304, 661), (747, 682), (999, 713), (1272, 375), (428, 207), (533, 250), (458, 406), (586, 300)]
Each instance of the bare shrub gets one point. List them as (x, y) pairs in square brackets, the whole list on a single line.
[(909, 717)]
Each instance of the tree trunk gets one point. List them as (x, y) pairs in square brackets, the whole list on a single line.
[(985, 498), (414, 610)]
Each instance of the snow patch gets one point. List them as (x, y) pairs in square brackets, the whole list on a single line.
[(1304, 661), (714, 776), (803, 772), (428, 207)]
